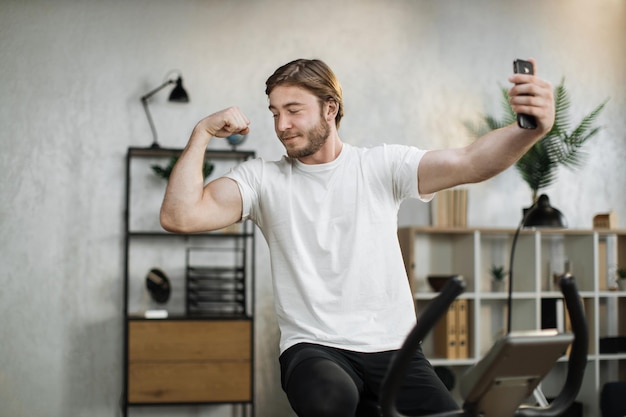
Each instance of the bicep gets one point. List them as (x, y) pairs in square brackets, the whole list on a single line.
[(441, 169), (218, 205), (221, 203)]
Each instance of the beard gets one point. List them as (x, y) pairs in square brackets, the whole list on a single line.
[(315, 138)]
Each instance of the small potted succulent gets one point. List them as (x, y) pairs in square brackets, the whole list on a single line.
[(498, 277), (621, 279)]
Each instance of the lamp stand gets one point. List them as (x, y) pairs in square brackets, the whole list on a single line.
[(144, 101)]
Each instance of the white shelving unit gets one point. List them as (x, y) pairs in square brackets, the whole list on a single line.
[(592, 256)]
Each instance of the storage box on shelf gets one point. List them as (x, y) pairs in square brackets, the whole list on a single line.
[(590, 255), (202, 351)]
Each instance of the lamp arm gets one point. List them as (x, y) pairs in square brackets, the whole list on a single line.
[(144, 101), (155, 143), (145, 97)]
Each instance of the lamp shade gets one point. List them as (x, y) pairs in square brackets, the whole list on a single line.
[(542, 214), (178, 94)]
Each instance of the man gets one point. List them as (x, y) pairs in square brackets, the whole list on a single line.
[(328, 212)]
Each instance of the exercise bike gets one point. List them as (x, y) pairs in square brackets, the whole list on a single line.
[(510, 372)]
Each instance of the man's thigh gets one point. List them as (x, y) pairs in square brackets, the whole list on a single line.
[(422, 392), (319, 381)]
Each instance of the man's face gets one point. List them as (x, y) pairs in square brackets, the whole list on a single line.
[(298, 120)]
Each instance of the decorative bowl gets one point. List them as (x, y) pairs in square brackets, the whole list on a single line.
[(437, 282), (235, 139)]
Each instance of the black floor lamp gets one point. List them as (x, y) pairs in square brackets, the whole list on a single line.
[(178, 95), (539, 215)]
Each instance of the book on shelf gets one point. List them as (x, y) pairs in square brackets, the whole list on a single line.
[(445, 334), (449, 208), (462, 323), (451, 335)]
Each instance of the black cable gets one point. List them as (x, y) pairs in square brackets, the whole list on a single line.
[(511, 259)]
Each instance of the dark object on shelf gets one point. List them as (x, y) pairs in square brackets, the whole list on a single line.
[(552, 314), (215, 291), (158, 285), (216, 287), (437, 282), (542, 214), (178, 95), (614, 344), (612, 402)]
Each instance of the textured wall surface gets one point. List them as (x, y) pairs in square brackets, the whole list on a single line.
[(412, 71)]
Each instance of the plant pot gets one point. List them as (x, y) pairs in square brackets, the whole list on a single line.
[(621, 284), (497, 285)]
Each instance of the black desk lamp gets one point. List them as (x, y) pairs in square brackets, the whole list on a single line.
[(178, 95), (540, 215)]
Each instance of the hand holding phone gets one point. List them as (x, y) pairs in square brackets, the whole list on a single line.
[(524, 121)]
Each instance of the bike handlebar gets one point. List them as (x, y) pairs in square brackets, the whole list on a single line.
[(395, 374), (577, 358), (576, 363)]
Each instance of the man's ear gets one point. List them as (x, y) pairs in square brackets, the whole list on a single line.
[(332, 108)]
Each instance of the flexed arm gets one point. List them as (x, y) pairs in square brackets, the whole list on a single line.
[(189, 206), (497, 150)]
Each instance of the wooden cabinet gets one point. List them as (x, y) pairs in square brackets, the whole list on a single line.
[(200, 352), (592, 256), (189, 361)]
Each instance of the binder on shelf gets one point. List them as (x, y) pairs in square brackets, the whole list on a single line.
[(462, 327), (445, 334), (553, 314)]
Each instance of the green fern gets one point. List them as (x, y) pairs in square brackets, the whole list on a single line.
[(539, 166)]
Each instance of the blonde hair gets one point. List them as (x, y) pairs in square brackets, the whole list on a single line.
[(313, 75)]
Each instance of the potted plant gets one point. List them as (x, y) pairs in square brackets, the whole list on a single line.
[(621, 279), (560, 146), (498, 275), (164, 172)]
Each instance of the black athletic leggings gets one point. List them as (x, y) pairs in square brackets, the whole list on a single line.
[(321, 381)]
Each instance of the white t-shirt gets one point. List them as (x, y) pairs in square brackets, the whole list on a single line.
[(338, 275)]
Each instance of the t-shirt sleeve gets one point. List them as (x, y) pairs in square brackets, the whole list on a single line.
[(406, 161), (247, 175)]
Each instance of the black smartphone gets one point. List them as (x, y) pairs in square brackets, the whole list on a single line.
[(524, 121)]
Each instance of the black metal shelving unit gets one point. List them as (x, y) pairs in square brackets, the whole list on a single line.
[(218, 303)]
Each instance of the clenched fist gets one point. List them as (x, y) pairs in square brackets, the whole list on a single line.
[(224, 123)]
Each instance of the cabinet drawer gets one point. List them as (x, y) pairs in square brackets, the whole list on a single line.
[(171, 382), (180, 340)]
